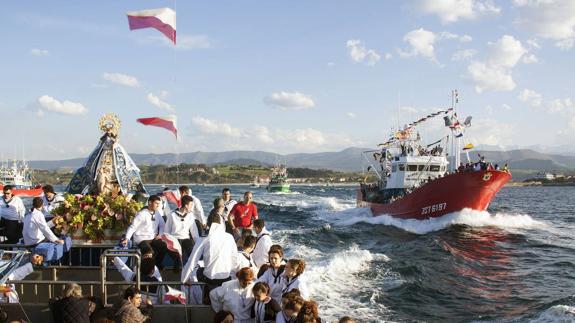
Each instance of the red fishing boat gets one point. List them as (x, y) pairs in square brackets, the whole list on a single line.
[(417, 181), (19, 176)]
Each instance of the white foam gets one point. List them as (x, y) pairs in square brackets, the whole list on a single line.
[(466, 216), (330, 279), (307, 202), (557, 313)]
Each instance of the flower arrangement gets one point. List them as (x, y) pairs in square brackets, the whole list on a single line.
[(94, 215)]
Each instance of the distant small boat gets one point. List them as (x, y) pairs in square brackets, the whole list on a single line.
[(278, 180), (19, 176), (255, 183)]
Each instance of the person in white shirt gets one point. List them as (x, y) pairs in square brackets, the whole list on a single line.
[(245, 258), (263, 243), (148, 273), (236, 296), (164, 209), (197, 210), (146, 229), (273, 274), (292, 278), (36, 229), (219, 253), (51, 200), (12, 213), (182, 226), (228, 206)]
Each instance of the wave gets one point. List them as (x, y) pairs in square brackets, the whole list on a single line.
[(466, 216), (557, 313), (332, 279)]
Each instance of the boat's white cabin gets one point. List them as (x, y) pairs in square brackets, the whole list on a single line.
[(411, 171)]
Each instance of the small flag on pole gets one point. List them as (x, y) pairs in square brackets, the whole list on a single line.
[(468, 146), (162, 19), (167, 122)]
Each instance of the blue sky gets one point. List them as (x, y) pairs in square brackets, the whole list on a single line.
[(297, 76)]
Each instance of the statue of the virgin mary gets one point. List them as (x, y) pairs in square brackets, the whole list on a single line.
[(109, 169)]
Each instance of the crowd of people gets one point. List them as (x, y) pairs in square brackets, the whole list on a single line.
[(245, 276)]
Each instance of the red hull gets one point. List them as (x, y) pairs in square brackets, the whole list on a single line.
[(31, 192), (452, 193)]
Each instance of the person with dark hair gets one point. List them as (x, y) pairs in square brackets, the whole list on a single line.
[(243, 213), (236, 296), (218, 210), (228, 206), (35, 227), (181, 225), (219, 253), (51, 200), (197, 210), (164, 208), (346, 319), (129, 310), (308, 313), (12, 214), (273, 274), (263, 243), (148, 273), (265, 308), (291, 305), (146, 229), (243, 235), (245, 256), (224, 317), (291, 277)]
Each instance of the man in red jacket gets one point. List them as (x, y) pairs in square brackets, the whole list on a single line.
[(243, 213)]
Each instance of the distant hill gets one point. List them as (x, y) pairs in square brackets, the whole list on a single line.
[(348, 160)]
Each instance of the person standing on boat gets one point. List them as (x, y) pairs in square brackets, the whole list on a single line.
[(263, 243), (292, 278), (219, 253), (273, 274), (181, 225), (197, 210), (12, 213), (236, 296), (243, 214), (228, 206), (51, 200), (146, 230)]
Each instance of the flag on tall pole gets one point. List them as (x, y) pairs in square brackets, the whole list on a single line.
[(162, 19), (167, 122)]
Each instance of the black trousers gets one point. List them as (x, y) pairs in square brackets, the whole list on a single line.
[(211, 284), (159, 247), (187, 247), (12, 230)]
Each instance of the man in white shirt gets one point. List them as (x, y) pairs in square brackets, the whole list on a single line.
[(219, 253), (182, 226), (197, 209), (146, 229), (263, 243), (164, 209), (51, 200), (228, 206), (12, 213)]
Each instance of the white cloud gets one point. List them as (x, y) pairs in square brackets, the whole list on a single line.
[(560, 105), (506, 107), (359, 53), (421, 42), (289, 100), (212, 127), (121, 79), (225, 136), (50, 104), (155, 101), (533, 43), (530, 59), (551, 19), (388, 56), (530, 97), (40, 113), (450, 11), (351, 115), (39, 52), (463, 55), (491, 132), (494, 74), (565, 44)]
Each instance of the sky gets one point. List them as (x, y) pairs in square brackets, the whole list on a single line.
[(286, 77)]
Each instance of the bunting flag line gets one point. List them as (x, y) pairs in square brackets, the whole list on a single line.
[(162, 19), (167, 122)]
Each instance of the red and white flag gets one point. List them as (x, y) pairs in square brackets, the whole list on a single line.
[(162, 19), (167, 122), (174, 295), (174, 197), (172, 243)]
